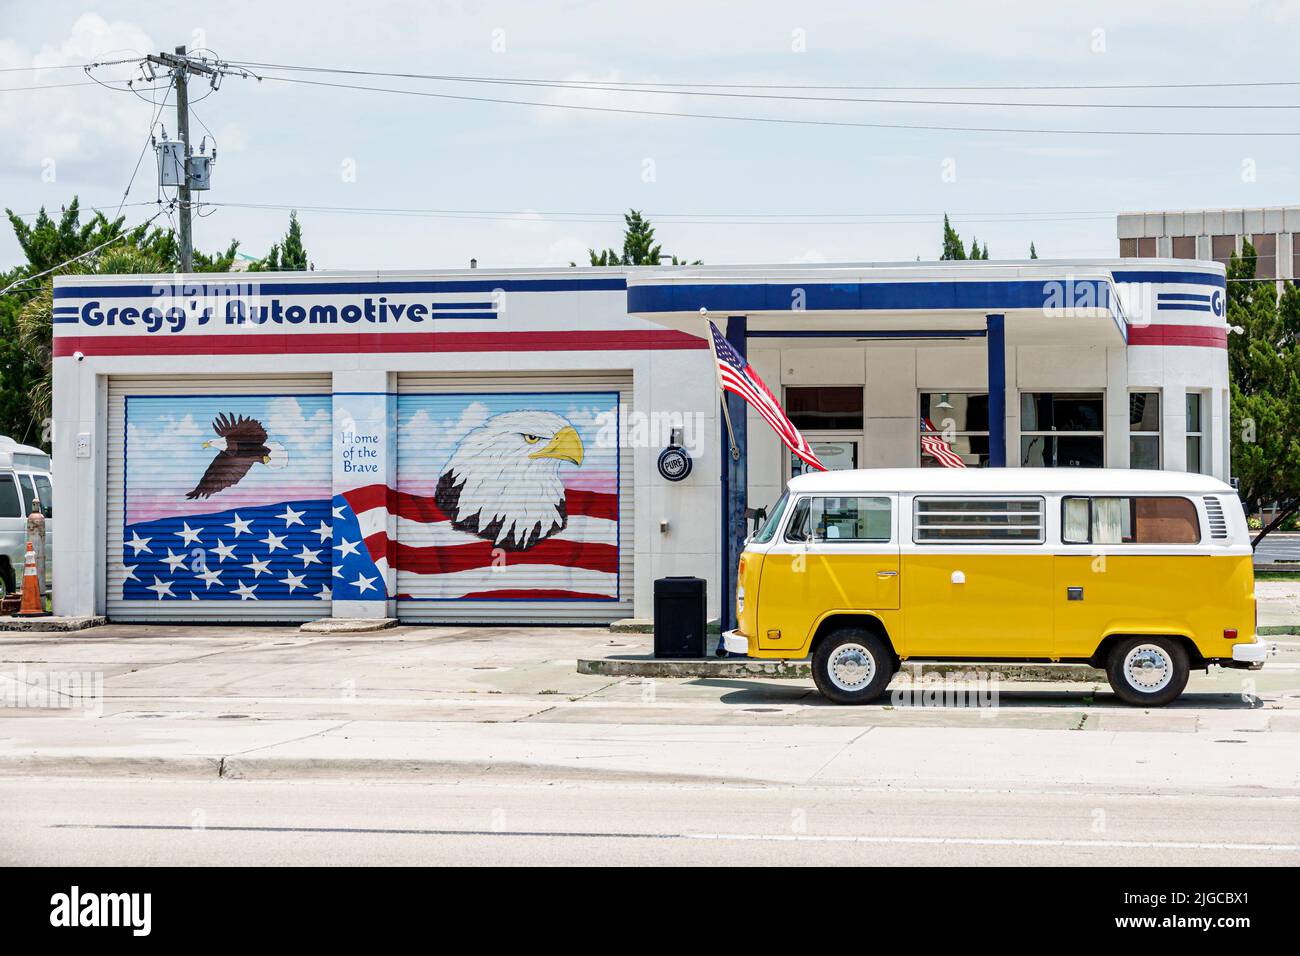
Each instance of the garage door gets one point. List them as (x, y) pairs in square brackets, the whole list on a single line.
[(514, 502), (219, 498)]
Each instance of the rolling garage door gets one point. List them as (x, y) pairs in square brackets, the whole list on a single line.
[(195, 533), (514, 502)]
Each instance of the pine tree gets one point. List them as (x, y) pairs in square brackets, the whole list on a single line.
[(639, 246), (974, 249), (287, 255), (952, 247), (1033, 253)]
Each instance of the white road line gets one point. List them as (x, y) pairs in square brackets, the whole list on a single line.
[(995, 841)]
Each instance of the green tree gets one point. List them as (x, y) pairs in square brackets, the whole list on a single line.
[(1033, 253), (639, 246), (952, 247), (52, 243), (1264, 370), (287, 255)]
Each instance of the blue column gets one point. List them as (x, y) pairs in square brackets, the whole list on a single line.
[(996, 341), (735, 485)]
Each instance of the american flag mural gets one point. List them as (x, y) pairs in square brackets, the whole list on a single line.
[(227, 498), (502, 497), (932, 444), (737, 376)]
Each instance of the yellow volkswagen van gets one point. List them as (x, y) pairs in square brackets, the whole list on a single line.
[(1145, 573)]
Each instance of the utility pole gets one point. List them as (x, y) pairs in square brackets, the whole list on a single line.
[(183, 131), (181, 66)]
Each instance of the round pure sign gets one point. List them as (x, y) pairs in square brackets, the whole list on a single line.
[(674, 463)]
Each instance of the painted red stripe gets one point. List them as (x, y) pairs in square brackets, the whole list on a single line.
[(1194, 335), (592, 504), (587, 555), (540, 594), (252, 343)]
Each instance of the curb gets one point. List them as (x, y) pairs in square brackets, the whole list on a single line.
[(733, 667), (342, 625), (50, 624)]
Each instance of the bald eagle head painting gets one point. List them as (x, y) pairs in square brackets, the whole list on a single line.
[(240, 443), (502, 483)]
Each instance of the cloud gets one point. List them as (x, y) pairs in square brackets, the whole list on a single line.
[(44, 129), (285, 422)]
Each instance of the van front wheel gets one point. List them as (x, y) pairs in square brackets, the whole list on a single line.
[(1147, 671), (852, 666)]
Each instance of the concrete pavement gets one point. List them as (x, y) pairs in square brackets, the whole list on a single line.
[(530, 820)]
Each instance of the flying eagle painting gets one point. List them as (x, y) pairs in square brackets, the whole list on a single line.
[(502, 483), (240, 443)]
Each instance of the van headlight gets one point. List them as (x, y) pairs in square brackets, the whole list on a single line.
[(740, 599)]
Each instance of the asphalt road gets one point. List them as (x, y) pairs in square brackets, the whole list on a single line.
[(535, 821)]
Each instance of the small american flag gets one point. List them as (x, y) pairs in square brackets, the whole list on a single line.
[(933, 445), (737, 376)]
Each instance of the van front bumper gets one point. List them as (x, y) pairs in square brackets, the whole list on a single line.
[(1250, 656), (733, 642)]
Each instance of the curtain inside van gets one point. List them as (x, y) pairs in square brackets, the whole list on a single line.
[(1108, 516)]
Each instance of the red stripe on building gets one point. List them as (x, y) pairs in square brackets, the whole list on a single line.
[(478, 555), (1203, 336), (309, 343), (590, 504)]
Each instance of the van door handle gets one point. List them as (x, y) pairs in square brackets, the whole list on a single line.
[(886, 574)]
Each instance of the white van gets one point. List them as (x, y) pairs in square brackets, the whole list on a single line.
[(24, 477)]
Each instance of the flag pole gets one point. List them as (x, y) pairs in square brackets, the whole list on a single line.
[(722, 394)]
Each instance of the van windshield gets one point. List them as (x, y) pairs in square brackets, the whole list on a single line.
[(773, 520)]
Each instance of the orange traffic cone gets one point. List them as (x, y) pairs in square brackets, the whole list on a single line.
[(33, 606)]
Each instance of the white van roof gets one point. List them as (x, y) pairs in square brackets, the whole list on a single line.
[(1020, 481)]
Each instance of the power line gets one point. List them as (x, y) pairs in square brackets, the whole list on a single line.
[(67, 262), (923, 127), (719, 219), (807, 86), (681, 90)]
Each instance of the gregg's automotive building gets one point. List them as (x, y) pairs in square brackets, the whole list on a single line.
[(485, 446)]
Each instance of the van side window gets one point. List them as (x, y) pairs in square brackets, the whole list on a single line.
[(45, 491), (978, 520), (10, 506), (850, 519), (1136, 520), (29, 493)]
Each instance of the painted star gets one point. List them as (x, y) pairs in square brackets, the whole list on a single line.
[(324, 593), (259, 566), (325, 531), (130, 572), (139, 543), (161, 588), (338, 511), (337, 571), (174, 561), (245, 591), (291, 517), (364, 584), (187, 534), (293, 581), (210, 577), (273, 541), (224, 550), (346, 547), (308, 557), (240, 525)]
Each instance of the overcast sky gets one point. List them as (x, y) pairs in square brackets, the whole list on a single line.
[(282, 143)]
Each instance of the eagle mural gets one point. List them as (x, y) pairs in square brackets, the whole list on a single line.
[(502, 483), (240, 443)]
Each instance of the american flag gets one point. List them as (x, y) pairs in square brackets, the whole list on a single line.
[(932, 444), (738, 377)]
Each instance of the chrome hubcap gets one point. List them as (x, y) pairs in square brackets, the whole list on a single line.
[(851, 667), (1148, 668)]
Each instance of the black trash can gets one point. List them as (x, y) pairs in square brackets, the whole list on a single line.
[(680, 617)]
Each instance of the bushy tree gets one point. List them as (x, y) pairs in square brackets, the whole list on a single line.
[(1264, 369), (952, 247), (287, 255), (639, 246)]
